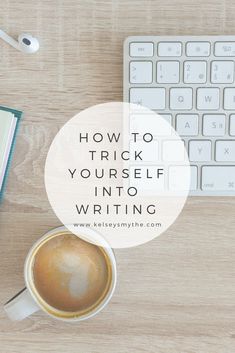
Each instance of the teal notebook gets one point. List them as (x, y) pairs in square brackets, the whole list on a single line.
[(9, 122)]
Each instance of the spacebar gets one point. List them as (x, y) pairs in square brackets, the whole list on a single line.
[(220, 178)]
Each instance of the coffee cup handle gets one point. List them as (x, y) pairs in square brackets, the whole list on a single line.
[(21, 306)]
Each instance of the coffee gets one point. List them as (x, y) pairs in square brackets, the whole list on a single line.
[(70, 274)]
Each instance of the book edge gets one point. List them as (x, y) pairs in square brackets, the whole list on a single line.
[(18, 114)]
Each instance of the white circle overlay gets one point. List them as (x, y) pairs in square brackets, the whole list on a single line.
[(119, 169)]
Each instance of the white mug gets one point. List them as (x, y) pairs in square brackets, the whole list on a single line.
[(25, 303)]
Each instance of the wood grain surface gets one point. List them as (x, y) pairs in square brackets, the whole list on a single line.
[(175, 294)]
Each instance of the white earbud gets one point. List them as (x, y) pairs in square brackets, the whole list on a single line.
[(26, 43)]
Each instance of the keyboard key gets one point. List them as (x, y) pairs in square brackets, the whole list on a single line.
[(222, 71), (213, 124), (167, 128), (208, 98), (144, 123), (173, 151), (225, 49), (195, 71), (178, 178), (145, 185), (193, 183), (219, 178), (169, 49), (229, 98), (187, 124), (149, 151), (168, 71), (152, 98), (198, 49), (141, 72), (181, 98), (232, 125), (225, 151), (199, 150), (141, 49)]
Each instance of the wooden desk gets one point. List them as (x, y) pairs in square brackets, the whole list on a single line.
[(175, 294)]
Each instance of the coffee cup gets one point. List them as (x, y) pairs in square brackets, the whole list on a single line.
[(66, 276)]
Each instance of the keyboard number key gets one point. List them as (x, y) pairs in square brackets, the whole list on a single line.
[(168, 71), (141, 71), (222, 71), (195, 71), (169, 49), (141, 49), (213, 124)]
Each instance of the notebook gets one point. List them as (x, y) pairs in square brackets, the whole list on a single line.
[(9, 120)]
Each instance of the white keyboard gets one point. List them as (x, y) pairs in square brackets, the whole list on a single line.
[(190, 80)]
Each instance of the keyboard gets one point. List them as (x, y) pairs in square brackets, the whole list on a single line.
[(190, 81)]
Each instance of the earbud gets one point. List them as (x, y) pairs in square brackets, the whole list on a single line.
[(26, 43)]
